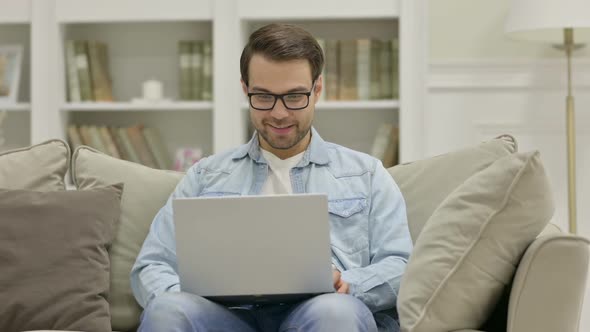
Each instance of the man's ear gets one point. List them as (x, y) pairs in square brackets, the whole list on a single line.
[(319, 86), (244, 86)]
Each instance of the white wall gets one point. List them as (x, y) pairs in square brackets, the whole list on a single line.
[(482, 84), (467, 29)]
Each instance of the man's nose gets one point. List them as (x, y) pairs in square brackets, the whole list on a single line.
[(279, 111)]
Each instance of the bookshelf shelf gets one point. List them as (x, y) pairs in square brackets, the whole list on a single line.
[(18, 107), (321, 10), (124, 106), (108, 11)]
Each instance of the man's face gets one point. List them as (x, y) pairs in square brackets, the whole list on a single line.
[(281, 131)]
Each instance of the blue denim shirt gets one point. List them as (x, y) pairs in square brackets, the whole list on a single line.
[(368, 225)]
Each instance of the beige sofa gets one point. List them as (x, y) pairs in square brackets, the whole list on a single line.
[(475, 216)]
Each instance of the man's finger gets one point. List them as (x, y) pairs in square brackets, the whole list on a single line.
[(336, 278), (344, 288)]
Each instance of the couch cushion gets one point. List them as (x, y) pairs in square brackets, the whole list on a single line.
[(146, 191), (469, 247), (426, 183), (40, 167), (55, 265)]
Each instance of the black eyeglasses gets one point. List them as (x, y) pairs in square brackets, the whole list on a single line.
[(264, 101)]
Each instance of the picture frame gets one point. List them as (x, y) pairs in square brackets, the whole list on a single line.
[(10, 72)]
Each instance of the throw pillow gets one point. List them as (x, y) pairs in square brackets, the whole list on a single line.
[(55, 265), (40, 167), (468, 249), (146, 191), (426, 183)]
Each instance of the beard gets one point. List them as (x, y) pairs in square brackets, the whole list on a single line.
[(283, 142)]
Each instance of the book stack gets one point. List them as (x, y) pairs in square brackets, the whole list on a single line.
[(385, 145), (137, 143), (361, 69), (87, 71), (195, 62)]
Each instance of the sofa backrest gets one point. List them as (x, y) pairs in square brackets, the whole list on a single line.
[(39, 167)]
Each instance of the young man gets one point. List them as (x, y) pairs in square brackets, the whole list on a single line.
[(281, 75)]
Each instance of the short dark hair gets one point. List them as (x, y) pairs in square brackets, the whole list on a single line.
[(283, 42)]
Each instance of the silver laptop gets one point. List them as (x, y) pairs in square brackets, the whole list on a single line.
[(254, 249)]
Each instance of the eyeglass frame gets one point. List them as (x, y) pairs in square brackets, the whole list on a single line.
[(281, 96)]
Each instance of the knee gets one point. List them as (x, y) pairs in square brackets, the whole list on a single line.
[(176, 310), (339, 307)]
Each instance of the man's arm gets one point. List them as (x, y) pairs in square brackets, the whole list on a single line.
[(155, 270), (390, 244)]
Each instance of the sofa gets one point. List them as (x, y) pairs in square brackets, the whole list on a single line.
[(486, 257)]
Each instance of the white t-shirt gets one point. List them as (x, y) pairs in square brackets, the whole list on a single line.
[(279, 176)]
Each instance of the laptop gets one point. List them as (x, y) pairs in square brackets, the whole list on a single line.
[(254, 249)]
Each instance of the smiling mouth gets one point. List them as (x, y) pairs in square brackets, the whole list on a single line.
[(282, 129)]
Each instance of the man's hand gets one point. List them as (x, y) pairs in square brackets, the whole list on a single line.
[(339, 285)]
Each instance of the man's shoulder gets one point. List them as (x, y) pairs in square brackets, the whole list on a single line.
[(347, 160), (223, 161)]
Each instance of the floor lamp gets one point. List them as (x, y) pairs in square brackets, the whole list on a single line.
[(556, 21)]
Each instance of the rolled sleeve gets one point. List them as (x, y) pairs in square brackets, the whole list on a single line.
[(377, 284), (155, 270)]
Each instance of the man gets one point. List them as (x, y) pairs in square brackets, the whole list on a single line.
[(281, 75)]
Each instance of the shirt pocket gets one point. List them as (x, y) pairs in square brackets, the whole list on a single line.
[(348, 224)]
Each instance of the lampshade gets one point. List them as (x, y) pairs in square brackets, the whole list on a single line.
[(544, 20)]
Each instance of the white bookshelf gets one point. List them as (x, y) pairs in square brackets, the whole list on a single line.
[(255, 10), (142, 38), (108, 11), (15, 107), (15, 11), (15, 29)]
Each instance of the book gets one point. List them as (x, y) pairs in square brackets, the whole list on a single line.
[(108, 80), (108, 142), (101, 86), (386, 70), (85, 136), (196, 69), (332, 70), (139, 144), (363, 69), (127, 146), (73, 85), (157, 147), (375, 68), (391, 158), (322, 43), (83, 69), (184, 68), (207, 78), (114, 131), (385, 144), (96, 139), (395, 68), (347, 89), (74, 136)]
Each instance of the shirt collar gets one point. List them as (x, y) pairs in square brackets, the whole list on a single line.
[(316, 152)]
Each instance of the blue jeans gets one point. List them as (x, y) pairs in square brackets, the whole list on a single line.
[(184, 312)]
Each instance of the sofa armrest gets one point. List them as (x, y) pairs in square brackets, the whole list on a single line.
[(549, 285)]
